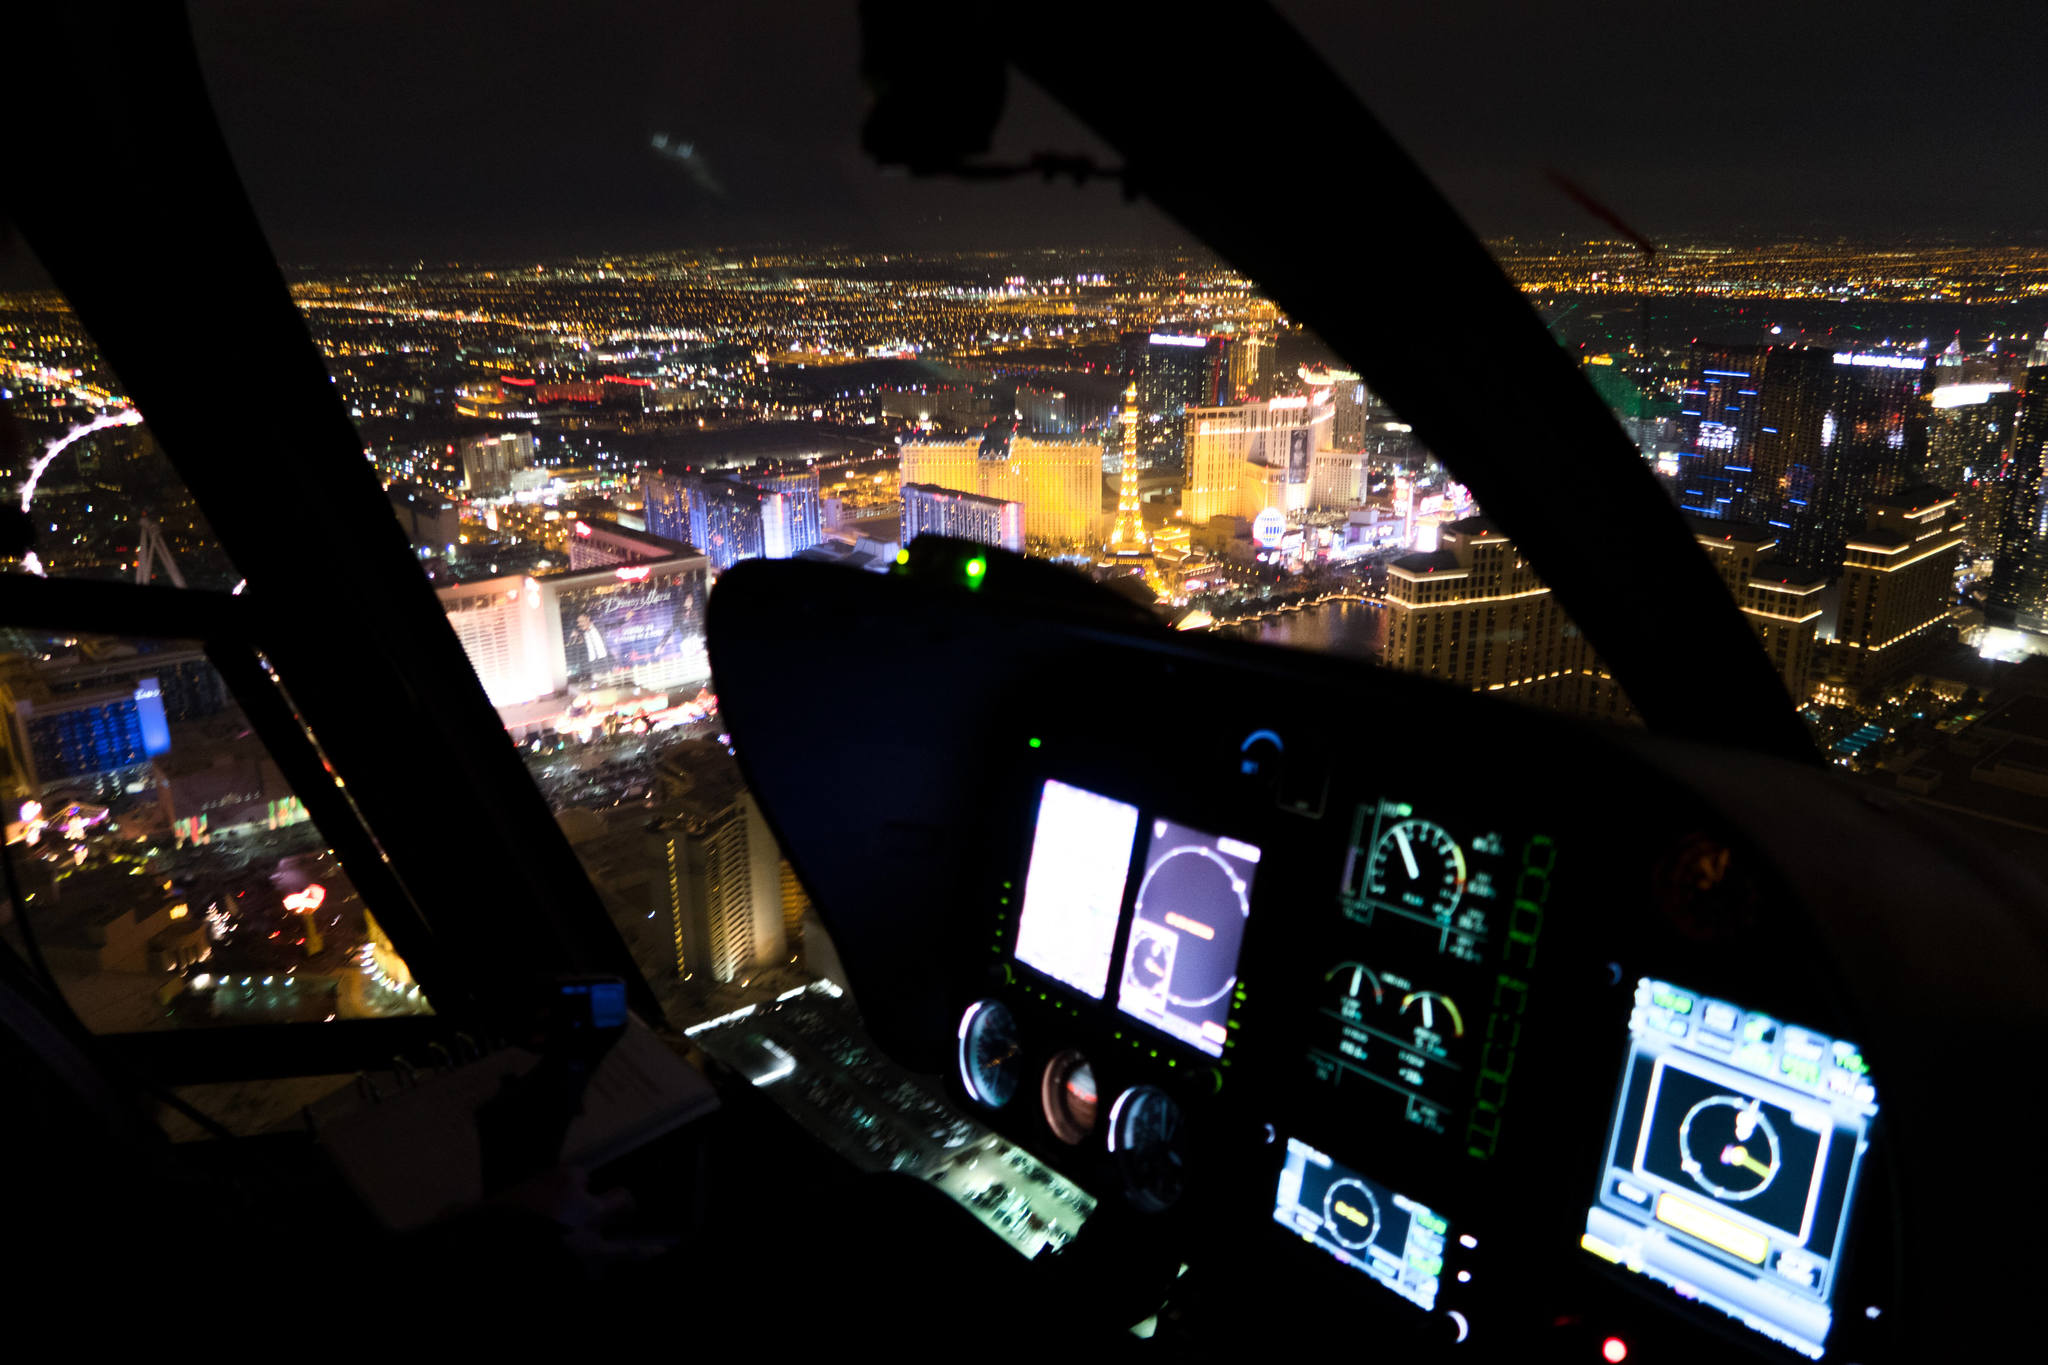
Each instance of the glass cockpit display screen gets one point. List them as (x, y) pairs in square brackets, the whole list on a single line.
[(1186, 932), (1732, 1160), (1362, 1223), (1074, 885), (1429, 968)]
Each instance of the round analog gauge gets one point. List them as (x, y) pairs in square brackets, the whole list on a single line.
[(1145, 1135), (990, 1054), (1728, 1146), (1068, 1094), (1351, 1214), (1417, 866)]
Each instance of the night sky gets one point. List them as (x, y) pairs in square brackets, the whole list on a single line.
[(388, 130)]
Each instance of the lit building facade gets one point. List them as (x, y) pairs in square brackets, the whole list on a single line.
[(2019, 584), (100, 716), (1337, 478), (1057, 479), (1721, 413), (798, 512), (1247, 457), (1176, 373), (1969, 442), (629, 629), (759, 516), (725, 892), (965, 516), (505, 630), (1898, 587), (491, 465), (1873, 443), (1474, 614), (595, 543), (1780, 601)]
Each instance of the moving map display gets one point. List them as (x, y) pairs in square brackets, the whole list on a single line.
[(1732, 1160)]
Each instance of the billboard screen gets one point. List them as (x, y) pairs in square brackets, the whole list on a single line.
[(635, 626), (1297, 455)]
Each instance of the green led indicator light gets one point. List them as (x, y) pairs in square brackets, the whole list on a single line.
[(903, 556), (976, 567), (1171, 1062), (1036, 743), (1155, 1052)]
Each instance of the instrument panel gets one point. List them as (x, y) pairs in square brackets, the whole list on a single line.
[(1362, 1029)]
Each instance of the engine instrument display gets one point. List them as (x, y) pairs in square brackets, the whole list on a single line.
[(1362, 1223), (1074, 886), (1732, 1160), (1186, 933), (1423, 994)]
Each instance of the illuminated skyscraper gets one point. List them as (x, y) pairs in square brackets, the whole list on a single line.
[(964, 516), (493, 466), (1246, 458), (1176, 373), (1248, 353), (798, 510), (1780, 601), (752, 516), (725, 891), (1970, 438), (1337, 478), (665, 504), (1057, 479), (1473, 613), (1721, 412), (1873, 443), (2019, 584), (1898, 586), (1348, 400)]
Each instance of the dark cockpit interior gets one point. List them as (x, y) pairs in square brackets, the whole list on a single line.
[(1341, 1010)]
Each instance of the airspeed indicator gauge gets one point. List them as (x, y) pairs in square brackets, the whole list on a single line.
[(1417, 866), (990, 1053)]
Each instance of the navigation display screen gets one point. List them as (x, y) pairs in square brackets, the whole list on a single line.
[(1074, 887), (1181, 964), (1732, 1160), (1362, 1223)]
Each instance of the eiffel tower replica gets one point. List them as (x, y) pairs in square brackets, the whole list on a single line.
[(1128, 540)]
